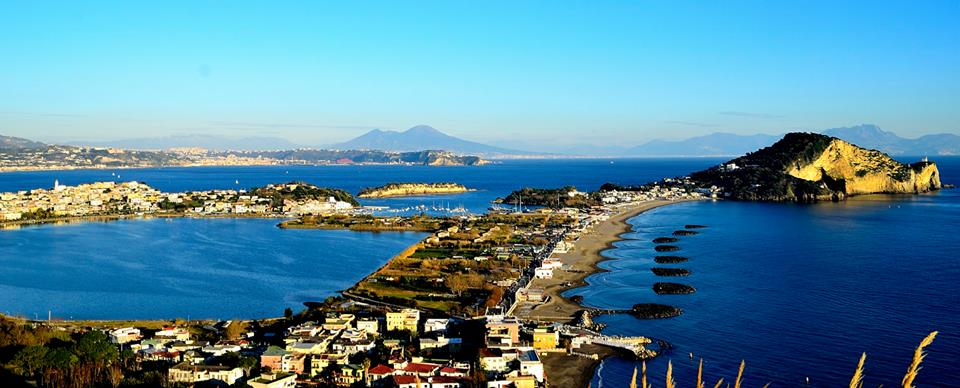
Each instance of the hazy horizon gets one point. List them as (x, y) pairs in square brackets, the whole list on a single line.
[(604, 74)]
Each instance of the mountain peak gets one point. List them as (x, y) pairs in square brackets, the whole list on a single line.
[(420, 137), (423, 129)]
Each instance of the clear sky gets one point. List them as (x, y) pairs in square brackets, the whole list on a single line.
[(559, 72)]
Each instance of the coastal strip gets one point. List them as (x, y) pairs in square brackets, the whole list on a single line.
[(582, 261)]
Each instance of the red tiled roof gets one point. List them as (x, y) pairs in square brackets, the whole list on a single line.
[(404, 380), (420, 367), (443, 379), (380, 370)]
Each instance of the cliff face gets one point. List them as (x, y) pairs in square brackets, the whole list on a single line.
[(809, 167), (867, 171), (407, 189)]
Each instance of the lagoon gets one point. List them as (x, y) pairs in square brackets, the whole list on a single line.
[(169, 268)]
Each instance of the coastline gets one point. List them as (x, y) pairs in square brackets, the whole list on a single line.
[(583, 260)]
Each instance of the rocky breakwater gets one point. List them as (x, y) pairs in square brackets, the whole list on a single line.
[(411, 189), (809, 167)]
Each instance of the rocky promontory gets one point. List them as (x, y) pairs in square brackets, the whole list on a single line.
[(809, 167), (410, 189)]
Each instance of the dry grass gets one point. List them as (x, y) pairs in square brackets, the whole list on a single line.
[(644, 382), (855, 382), (700, 374), (670, 383), (743, 364), (918, 356)]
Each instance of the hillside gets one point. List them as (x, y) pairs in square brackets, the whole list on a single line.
[(426, 158), (807, 167), (210, 142), (18, 154), (18, 143), (301, 191), (420, 137)]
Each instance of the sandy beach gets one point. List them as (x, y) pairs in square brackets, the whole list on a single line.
[(582, 261)]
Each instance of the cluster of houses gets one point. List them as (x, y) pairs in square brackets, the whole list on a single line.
[(328, 351), (81, 200), (511, 360), (113, 198), (672, 190)]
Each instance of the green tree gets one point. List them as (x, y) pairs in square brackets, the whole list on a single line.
[(60, 359), (30, 360), (288, 313), (93, 346)]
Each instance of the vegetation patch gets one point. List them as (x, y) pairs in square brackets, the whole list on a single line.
[(301, 191), (665, 240), (694, 226), (666, 248), (655, 311), (660, 271), (672, 288), (684, 233), (566, 196), (669, 259)]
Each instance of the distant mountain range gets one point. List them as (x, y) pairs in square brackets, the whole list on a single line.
[(871, 136), (9, 143), (210, 142), (423, 137), (714, 144), (418, 138)]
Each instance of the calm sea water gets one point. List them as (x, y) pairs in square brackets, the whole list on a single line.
[(795, 290), (490, 181), (168, 268)]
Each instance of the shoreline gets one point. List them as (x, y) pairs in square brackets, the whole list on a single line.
[(119, 217), (584, 260)]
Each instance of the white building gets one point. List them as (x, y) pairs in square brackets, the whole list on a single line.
[(125, 335), (543, 273), (436, 325), (185, 373), (530, 364), (369, 326)]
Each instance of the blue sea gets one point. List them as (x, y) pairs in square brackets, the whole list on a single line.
[(795, 290)]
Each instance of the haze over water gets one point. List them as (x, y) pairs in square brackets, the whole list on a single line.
[(798, 288)]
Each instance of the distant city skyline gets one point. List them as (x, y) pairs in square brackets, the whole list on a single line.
[(502, 73)]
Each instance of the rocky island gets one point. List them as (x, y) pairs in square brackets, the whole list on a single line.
[(809, 167), (411, 189)]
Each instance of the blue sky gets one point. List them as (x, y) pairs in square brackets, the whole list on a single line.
[(555, 72)]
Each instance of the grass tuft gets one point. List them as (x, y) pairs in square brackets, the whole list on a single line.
[(670, 383), (857, 380), (918, 356)]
